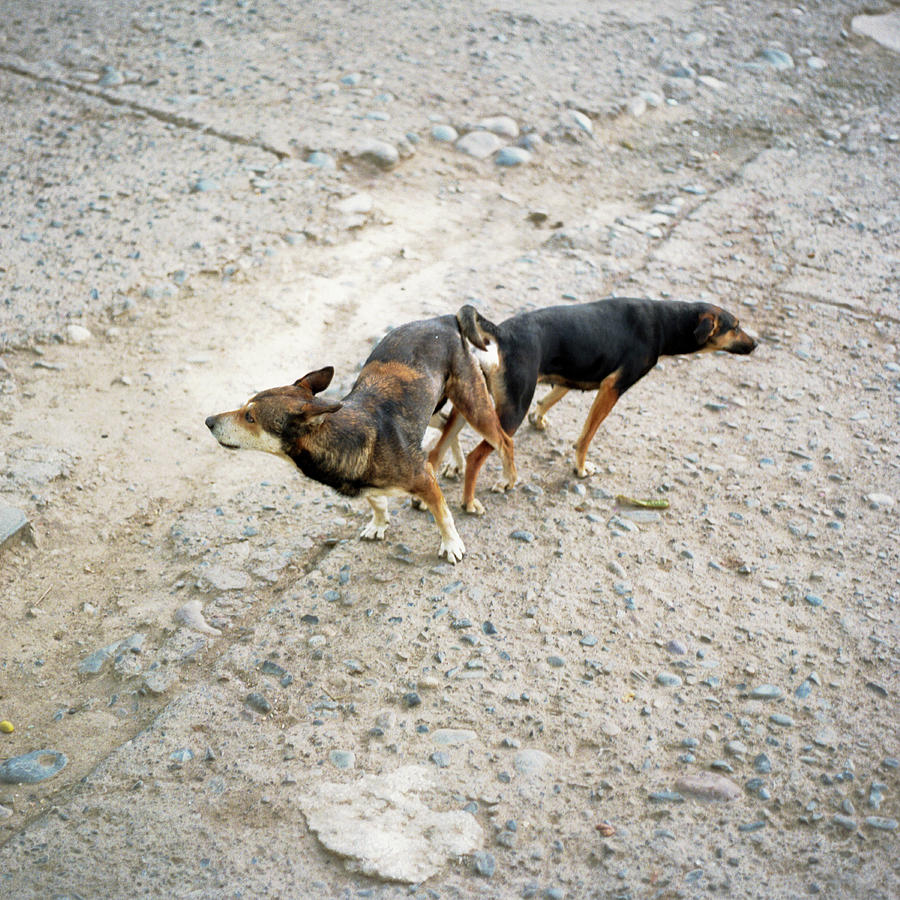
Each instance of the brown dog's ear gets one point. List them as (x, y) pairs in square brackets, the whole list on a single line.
[(316, 381), (314, 412), (705, 327)]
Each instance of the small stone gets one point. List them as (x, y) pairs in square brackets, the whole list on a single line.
[(484, 863), (33, 767), (669, 679), (782, 720), (444, 134), (676, 648), (111, 77), (441, 758), (203, 185), (636, 106), (512, 156), (556, 661), (504, 126), (77, 334), (158, 681), (182, 755), (342, 759), (453, 737), (762, 764), (411, 700), (258, 702), (191, 616), (355, 204), (525, 536), (531, 762), (588, 641), (580, 120), (845, 822), (880, 501), (881, 824), (666, 797), (379, 153), (92, 664), (480, 144), (680, 89), (776, 59), (708, 786), (814, 600), (321, 160), (766, 692)]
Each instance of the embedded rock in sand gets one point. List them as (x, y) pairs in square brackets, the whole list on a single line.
[(384, 829)]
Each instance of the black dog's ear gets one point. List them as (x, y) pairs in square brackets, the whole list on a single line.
[(316, 381), (705, 327)]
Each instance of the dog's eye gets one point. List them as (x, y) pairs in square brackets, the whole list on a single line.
[(248, 416)]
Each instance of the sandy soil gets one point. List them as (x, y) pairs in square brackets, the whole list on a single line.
[(555, 687)]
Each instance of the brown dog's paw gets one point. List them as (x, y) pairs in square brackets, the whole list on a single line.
[(474, 508)]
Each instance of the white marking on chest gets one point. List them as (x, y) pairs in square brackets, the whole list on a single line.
[(489, 359)]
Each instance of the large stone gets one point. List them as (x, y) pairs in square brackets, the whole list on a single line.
[(480, 144), (383, 827), (885, 29), (13, 523)]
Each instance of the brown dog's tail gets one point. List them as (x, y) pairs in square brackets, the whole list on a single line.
[(475, 327)]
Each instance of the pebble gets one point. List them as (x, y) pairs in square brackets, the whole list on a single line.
[(485, 864), (158, 681), (111, 77), (12, 522), (762, 764), (453, 737), (182, 755), (766, 692), (676, 648), (342, 759), (580, 120), (92, 664), (380, 153), (445, 134), (441, 758), (411, 700), (881, 824), (879, 501), (257, 701), (203, 185), (782, 720), (845, 822), (504, 126), (556, 661), (636, 106), (814, 600), (77, 334), (776, 59), (33, 767), (191, 616), (680, 89), (355, 204), (669, 679), (588, 641), (480, 144), (531, 762), (321, 160), (524, 536), (666, 797), (513, 156), (708, 786)]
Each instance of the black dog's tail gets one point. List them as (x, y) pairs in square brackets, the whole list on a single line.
[(475, 327)]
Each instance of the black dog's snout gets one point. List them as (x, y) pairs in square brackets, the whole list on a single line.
[(210, 422)]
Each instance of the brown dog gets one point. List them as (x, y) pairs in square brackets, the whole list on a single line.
[(370, 443)]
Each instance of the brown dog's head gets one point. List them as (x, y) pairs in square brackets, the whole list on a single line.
[(718, 329), (264, 420)]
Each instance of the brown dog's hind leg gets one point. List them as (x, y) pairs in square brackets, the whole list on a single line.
[(426, 488), (539, 417), (605, 400)]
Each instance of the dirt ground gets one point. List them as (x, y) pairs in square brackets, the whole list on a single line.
[(362, 719)]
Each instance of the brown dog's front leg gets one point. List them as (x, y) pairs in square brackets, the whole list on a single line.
[(428, 491)]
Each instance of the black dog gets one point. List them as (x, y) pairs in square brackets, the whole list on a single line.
[(604, 346)]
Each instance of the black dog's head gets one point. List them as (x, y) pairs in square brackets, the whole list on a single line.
[(718, 329)]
